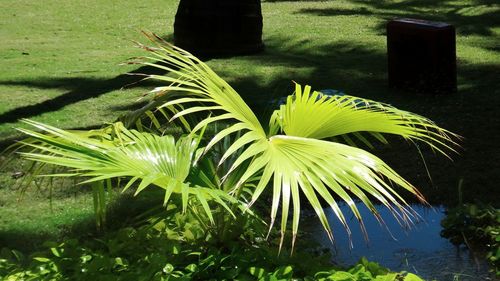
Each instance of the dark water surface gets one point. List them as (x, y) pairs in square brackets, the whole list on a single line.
[(420, 250)]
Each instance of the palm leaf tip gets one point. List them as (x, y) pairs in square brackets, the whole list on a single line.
[(311, 114)]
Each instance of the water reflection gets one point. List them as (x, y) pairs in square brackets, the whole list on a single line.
[(420, 250)]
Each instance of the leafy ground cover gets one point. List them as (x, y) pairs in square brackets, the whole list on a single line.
[(171, 250), (477, 226), (63, 70)]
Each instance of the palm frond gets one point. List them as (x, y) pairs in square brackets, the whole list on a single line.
[(151, 113), (314, 115), (199, 84), (144, 158), (319, 169)]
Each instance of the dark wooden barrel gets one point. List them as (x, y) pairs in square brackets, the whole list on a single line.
[(219, 27)]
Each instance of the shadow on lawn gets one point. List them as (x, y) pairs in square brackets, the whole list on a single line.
[(340, 65), (478, 17), (29, 240), (79, 89), (126, 210)]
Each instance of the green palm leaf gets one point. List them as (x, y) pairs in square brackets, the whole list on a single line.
[(198, 83), (144, 158), (319, 169), (313, 115)]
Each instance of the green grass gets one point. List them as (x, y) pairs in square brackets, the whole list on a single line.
[(60, 65), (62, 59)]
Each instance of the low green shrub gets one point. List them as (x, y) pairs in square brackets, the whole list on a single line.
[(156, 251), (477, 226)]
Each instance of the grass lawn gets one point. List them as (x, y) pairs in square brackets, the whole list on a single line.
[(60, 65)]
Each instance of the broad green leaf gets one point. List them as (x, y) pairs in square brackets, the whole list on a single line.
[(412, 277)]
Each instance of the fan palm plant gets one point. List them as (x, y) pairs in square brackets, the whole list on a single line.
[(298, 154)]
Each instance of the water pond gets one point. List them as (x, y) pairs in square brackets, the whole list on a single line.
[(420, 250)]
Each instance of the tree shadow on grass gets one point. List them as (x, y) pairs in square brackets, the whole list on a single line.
[(331, 12), (83, 88), (126, 210), (80, 89), (478, 17), (347, 66)]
